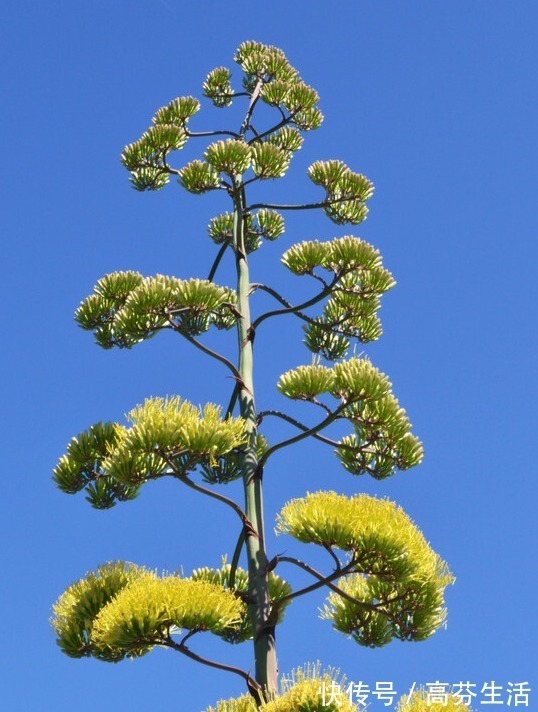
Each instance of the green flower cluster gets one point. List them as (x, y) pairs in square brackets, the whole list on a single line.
[(382, 441), (262, 224), (218, 88), (146, 159), (233, 157), (82, 467), (345, 191), (359, 282), (126, 308), (280, 83)]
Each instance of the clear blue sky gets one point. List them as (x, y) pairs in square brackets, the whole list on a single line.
[(436, 103)]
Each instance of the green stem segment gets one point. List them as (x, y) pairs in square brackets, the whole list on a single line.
[(266, 671)]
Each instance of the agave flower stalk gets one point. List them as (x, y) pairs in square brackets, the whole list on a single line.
[(386, 582), (258, 590)]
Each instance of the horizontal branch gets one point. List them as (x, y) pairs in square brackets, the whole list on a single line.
[(315, 401), (200, 134), (336, 560), (307, 432), (214, 354), (303, 206), (326, 326), (254, 179), (188, 635), (165, 167), (264, 288), (278, 206)]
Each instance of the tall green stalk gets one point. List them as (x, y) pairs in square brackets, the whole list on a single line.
[(258, 592)]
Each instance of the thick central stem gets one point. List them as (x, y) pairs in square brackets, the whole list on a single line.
[(258, 591)]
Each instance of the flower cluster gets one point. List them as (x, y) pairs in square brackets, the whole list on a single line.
[(395, 587), (264, 223), (126, 308), (167, 436), (146, 159), (382, 441), (125, 610), (302, 690), (359, 281), (278, 589)]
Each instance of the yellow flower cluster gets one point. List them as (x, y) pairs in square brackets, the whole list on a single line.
[(175, 423), (306, 694), (122, 609), (369, 527), (395, 587), (419, 702), (245, 703), (303, 694), (143, 613), (77, 607)]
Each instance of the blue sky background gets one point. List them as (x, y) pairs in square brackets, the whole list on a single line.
[(437, 104)]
